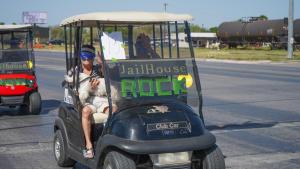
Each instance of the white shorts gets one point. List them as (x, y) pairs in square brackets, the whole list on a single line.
[(97, 104)]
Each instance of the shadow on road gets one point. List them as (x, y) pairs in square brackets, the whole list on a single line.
[(80, 166), (6, 111), (247, 125), (47, 107)]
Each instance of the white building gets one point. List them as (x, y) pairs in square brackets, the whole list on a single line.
[(199, 39)]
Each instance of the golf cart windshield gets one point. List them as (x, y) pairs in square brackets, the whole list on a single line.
[(15, 50), (148, 66), (152, 82)]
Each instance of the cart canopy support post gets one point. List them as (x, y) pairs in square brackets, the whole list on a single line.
[(130, 41)]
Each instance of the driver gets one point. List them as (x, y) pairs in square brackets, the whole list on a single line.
[(143, 47), (87, 56), (14, 43)]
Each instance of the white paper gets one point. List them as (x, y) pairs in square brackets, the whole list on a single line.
[(68, 98), (113, 47)]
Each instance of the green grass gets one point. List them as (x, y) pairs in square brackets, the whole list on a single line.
[(245, 54), (248, 54)]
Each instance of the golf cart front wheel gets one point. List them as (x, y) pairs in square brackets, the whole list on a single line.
[(213, 159), (60, 152), (116, 160), (35, 103)]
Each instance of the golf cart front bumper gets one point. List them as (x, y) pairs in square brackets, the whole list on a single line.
[(173, 167), (202, 142), (11, 100)]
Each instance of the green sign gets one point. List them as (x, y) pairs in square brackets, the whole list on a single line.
[(147, 87), (16, 82), (152, 68), (14, 66)]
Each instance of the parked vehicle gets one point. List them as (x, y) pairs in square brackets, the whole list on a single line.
[(18, 83), (56, 42), (159, 123)]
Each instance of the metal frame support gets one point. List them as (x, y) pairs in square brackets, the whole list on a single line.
[(77, 60), (70, 46), (177, 40), (161, 41), (291, 30), (195, 68), (76, 36), (91, 36), (130, 41), (154, 38), (2, 46), (106, 72), (66, 48), (169, 40)]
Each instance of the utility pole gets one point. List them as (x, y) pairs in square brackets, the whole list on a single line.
[(164, 27), (165, 5), (291, 30)]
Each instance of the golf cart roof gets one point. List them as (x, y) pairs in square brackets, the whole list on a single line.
[(91, 19), (4, 28)]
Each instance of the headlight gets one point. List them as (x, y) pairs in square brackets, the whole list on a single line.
[(30, 83), (171, 158), (188, 80), (29, 64)]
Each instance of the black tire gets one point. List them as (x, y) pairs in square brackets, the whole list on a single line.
[(60, 151), (116, 160), (35, 103), (213, 159)]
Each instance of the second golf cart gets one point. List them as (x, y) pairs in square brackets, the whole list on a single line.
[(152, 78), (18, 83)]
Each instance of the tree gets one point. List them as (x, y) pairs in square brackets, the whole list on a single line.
[(213, 29), (57, 32), (193, 28), (14, 23), (263, 17), (197, 28), (2, 23)]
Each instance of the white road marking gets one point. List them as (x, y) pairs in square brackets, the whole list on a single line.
[(50, 67)]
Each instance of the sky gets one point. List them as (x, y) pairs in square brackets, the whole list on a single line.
[(206, 13)]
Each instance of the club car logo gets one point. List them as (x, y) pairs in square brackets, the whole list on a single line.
[(168, 126)]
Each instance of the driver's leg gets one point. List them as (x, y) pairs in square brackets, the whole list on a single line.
[(86, 125)]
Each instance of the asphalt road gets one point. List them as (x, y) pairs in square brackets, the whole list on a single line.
[(253, 109)]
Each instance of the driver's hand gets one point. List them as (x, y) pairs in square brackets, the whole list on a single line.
[(94, 83)]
